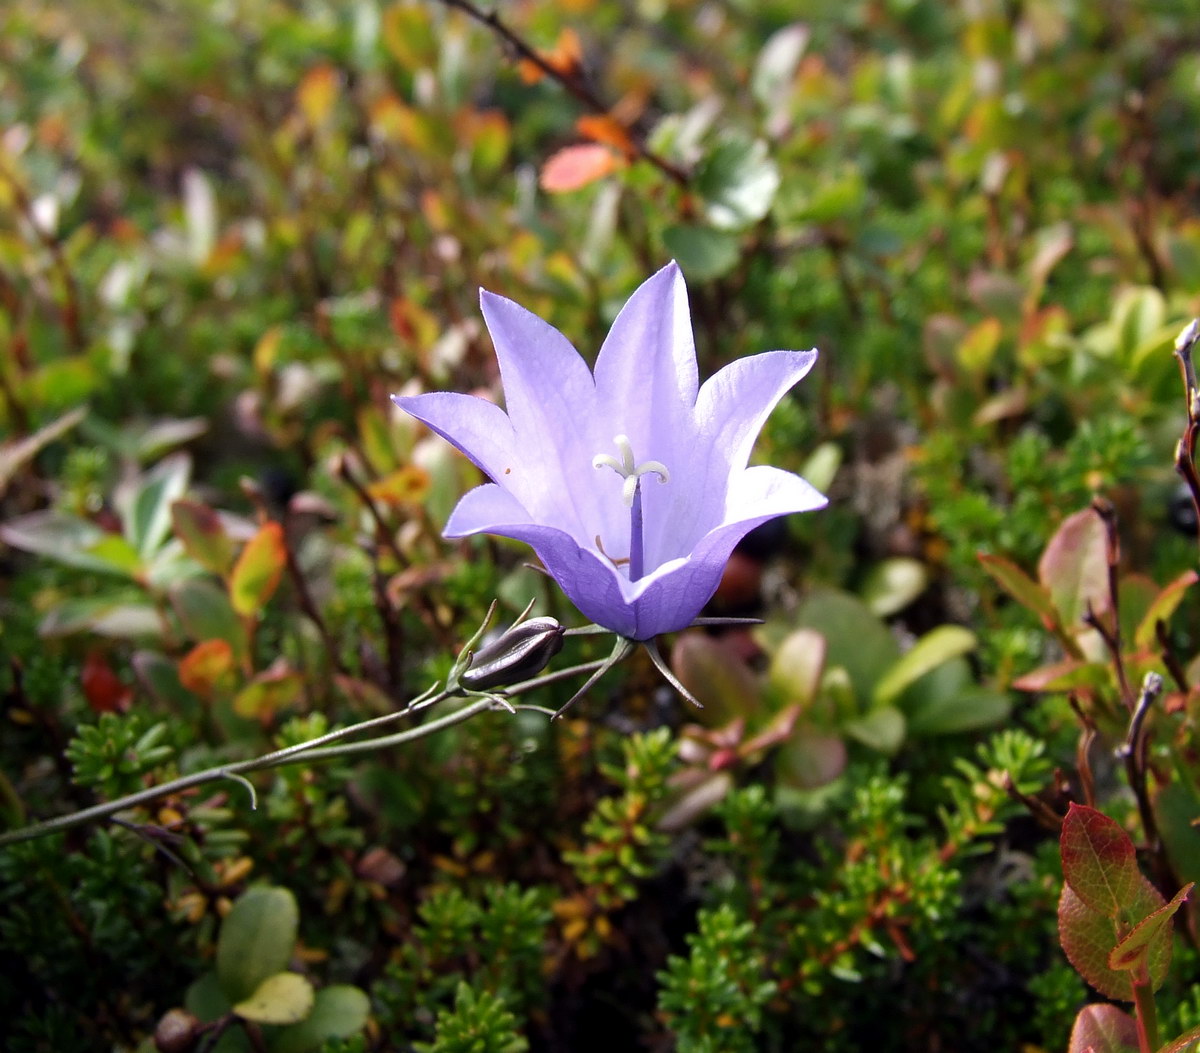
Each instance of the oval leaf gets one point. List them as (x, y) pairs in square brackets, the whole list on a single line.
[(1099, 862), (931, 650), (258, 570), (1147, 937), (1074, 568), (574, 167), (199, 528), (719, 679), (1103, 1028), (256, 940), (338, 1012), (283, 998)]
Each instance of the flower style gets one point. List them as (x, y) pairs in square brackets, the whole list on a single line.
[(631, 484)]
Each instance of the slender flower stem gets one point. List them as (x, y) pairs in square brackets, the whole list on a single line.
[(320, 748)]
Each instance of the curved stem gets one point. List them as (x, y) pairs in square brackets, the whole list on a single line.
[(320, 748)]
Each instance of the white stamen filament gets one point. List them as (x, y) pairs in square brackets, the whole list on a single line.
[(628, 469)]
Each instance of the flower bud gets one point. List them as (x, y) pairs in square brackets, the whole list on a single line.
[(518, 653)]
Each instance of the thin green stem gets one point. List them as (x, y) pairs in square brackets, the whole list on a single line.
[(320, 748)]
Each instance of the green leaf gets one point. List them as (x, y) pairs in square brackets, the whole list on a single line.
[(703, 253), (71, 541), (1175, 809), (946, 702), (258, 570), (892, 585), (1161, 609), (1134, 951), (809, 759), (1185, 1043), (256, 940), (269, 692), (205, 613), (1089, 937), (103, 616), (1020, 586), (737, 180), (338, 1012), (205, 1000), (284, 998), (855, 639), (145, 505), (931, 650), (200, 530), (881, 730)]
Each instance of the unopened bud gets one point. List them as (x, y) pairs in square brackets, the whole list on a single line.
[(516, 654), (177, 1032)]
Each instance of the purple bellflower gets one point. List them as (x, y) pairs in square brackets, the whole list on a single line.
[(630, 483)]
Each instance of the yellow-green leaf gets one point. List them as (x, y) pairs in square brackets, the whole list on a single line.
[(258, 570), (283, 998)]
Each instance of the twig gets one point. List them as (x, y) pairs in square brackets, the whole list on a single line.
[(1185, 450), (1038, 808), (1083, 763), (1111, 636), (574, 85), (1170, 659), (1134, 752), (304, 597)]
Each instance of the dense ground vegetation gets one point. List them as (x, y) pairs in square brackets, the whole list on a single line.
[(228, 232)]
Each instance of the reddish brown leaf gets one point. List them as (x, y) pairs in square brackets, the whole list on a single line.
[(576, 166), (103, 689), (603, 128), (1162, 608), (1103, 1028), (1098, 859), (199, 529)]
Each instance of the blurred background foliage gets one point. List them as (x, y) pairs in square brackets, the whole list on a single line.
[(228, 231)]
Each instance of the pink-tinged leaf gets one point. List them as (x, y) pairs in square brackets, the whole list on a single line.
[(720, 680), (1067, 675), (258, 570), (1183, 1043), (1074, 568), (574, 167), (1103, 1028), (797, 666), (203, 536), (1162, 608), (1135, 950), (694, 800), (1020, 586), (809, 759), (1098, 859), (778, 730)]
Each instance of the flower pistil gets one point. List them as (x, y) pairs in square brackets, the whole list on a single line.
[(631, 494)]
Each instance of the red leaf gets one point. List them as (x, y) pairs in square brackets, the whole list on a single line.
[(103, 689), (1074, 568), (576, 166), (1098, 859)]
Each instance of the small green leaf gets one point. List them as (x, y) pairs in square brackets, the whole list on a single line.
[(892, 585), (881, 730), (145, 505), (1133, 952), (933, 649), (1020, 586), (776, 65), (702, 252), (1161, 609), (856, 640), (256, 940), (72, 541), (738, 181), (284, 998), (719, 679), (258, 570), (338, 1012)]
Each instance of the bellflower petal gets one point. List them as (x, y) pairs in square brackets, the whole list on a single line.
[(631, 484)]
